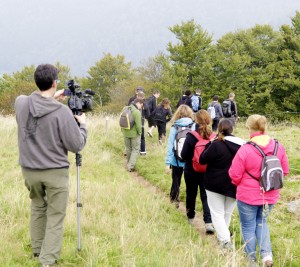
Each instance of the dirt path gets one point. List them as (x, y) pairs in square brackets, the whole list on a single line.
[(198, 221)]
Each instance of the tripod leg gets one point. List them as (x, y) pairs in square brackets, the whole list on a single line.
[(79, 205)]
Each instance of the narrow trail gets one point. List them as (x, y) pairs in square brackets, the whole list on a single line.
[(198, 221)]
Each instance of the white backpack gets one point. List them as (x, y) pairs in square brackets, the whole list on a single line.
[(212, 111)]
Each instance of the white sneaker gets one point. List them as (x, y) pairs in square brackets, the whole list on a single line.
[(209, 228)]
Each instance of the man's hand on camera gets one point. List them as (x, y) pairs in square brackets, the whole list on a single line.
[(80, 118), (59, 95)]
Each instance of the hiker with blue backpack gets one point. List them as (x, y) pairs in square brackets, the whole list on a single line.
[(215, 111), (196, 100), (182, 123), (254, 200), (194, 172), (162, 115)]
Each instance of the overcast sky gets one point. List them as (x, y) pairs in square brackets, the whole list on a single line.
[(77, 33)]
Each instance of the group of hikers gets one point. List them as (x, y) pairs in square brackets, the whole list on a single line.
[(226, 169)]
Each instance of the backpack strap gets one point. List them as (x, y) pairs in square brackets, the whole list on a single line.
[(258, 148), (276, 147), (261, 152)]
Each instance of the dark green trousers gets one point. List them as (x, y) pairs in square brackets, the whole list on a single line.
[(48, 191)]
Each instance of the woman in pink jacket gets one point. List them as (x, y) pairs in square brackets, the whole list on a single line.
[(254, 205)]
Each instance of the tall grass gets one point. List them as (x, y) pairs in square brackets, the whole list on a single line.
[(122, 222)]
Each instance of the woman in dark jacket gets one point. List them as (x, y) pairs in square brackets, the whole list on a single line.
[(162, 115), (194, 179), (220, 191)]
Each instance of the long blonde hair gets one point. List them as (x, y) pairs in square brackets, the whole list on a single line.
[(204, 120), (183, 111)]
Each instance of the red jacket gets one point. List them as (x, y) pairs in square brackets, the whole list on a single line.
[(248, 158)]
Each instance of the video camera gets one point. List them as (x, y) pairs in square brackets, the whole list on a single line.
[(79, 101)]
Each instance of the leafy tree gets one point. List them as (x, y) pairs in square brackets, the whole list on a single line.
[(189, 63), (21, 82), (106, 74)]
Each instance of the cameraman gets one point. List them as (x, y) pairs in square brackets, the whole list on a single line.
[(47, 130)]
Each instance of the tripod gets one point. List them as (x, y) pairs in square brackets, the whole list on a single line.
[(79, 205)]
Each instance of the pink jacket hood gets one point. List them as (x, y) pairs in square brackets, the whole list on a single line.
[(249, 159)]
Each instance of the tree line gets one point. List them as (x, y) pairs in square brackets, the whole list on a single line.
[(260, 65)]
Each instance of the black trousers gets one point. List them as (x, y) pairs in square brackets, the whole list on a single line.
[(215, 124), (193, 181), (143, 141), (161, 127), (176, 181)]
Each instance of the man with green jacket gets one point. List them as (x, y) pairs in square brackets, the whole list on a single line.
[(132, 137)]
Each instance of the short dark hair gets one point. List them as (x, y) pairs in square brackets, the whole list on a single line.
[(45, 75), (215, 98), (187, 92)]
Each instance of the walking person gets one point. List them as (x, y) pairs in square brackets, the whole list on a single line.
[(185, 99), (152, 103), (181, 118), (215, 111), (229, 108), (145, 115), (132, 137), (219, 189), (47, 130), (162, 115), (255, 205), (194, 179), (196, 100)]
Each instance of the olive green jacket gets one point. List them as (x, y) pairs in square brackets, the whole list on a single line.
[(137, 127)]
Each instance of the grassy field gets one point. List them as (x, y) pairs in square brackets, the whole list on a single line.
[(124, 223)]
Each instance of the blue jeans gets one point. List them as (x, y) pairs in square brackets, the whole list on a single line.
[(255, 229)]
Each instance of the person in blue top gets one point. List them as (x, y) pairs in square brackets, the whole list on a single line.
[(183, 117)]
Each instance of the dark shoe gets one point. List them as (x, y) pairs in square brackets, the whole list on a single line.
[(36, 256), (131, 170)]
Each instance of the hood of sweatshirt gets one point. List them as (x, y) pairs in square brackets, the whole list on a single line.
[(40, 106), (264, 141), (184, 121)]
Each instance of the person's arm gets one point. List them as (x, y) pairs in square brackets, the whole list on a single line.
[(237, 168), (233, 108), (73, 136), (146, 110), (170, 147), (284, 160), (200, 103), (220, 110), (137, 121), (208, 154), (169, 115)]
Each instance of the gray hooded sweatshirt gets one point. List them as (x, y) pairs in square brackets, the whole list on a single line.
[(47, 130)]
